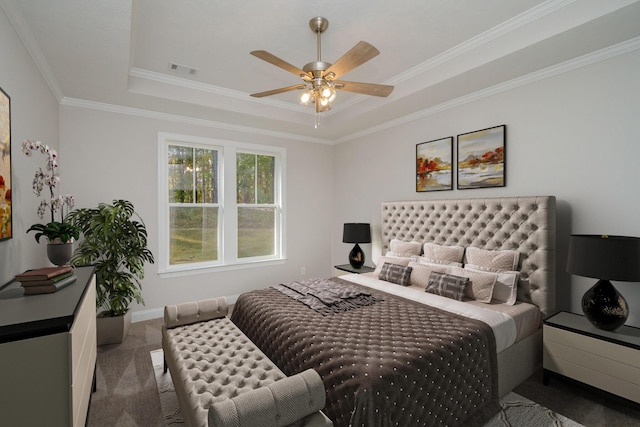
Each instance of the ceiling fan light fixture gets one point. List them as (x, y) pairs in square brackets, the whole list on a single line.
[(306, 97), (326, 91), (320, 77)]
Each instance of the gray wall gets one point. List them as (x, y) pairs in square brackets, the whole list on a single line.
[(116, 156), (575, 136), (34, 115)]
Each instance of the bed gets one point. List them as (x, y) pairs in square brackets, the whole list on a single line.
[(399, 361)]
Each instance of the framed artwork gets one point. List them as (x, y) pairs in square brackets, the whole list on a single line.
[(434, 165), (5, 166), (481, 158)]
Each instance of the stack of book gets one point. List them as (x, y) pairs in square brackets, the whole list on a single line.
[(46, 280)]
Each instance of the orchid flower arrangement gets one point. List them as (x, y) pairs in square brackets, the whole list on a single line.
[(50, 177)]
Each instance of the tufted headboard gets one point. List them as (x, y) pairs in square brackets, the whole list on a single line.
[(526, 224)]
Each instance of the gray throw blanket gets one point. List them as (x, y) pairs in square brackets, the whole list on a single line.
[(326, 296)]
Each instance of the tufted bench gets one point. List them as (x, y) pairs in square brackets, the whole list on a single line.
[(222, 379)]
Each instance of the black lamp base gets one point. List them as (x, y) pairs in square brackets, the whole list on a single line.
[(356, 257), (605, 308)]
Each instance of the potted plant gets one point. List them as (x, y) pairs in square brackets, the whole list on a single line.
[(60, 234), (115, 242)]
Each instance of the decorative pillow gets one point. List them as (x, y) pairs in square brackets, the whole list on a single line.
[(480, 286), (397, 255), (402, 248), (447, 285), (420, 273), (524, 291), (427, 261), (443, 253), (403, 261), (396, 274), (506, 287), (497, 260)]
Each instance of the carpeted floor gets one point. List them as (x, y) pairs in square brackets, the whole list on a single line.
[(516, 411), (127, 394)]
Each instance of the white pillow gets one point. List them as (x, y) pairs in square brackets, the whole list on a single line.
[(420, 273), (403, 248), (403, 261), (390, 254), (442, 253), (505, 289), (427, 261), (495, 260), (480, 287)]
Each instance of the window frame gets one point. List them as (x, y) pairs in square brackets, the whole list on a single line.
[(227, 205)]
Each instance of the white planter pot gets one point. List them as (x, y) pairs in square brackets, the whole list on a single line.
[(113, 330)]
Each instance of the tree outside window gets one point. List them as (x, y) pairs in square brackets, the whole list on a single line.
[(193, 204), (222, 203), (257, 212)]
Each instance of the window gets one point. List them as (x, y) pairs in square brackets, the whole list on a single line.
[(257, 210), (193, 204), (220, 203)]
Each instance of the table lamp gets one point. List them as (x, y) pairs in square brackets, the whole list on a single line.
[(356, 232), (605, 258)]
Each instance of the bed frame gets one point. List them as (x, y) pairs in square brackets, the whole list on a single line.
[(525, 224)]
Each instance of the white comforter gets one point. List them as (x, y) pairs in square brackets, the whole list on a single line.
[(503, 325)]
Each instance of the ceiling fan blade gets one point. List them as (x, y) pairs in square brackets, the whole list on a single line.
[(277, 91), (272, 59), (358, 55), (364, 88)]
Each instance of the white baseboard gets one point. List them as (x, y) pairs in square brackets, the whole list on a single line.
[(158, 312)]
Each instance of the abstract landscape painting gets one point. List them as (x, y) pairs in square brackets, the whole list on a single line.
[(481, 158), (434, 165), (5, 166)]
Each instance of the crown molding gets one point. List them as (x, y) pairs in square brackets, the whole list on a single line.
[(564, 67), (24, 33), (482, 39), (140, 112), (215, 90), (470, 45), (570, 65)]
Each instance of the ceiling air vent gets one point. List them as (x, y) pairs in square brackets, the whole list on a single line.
[(182, 69)]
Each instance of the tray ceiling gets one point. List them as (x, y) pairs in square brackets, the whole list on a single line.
[(116, 54)]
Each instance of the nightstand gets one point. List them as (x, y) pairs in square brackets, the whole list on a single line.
[(349, 269), (608, 360)]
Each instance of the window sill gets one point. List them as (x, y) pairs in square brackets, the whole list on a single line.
[(190, 271)]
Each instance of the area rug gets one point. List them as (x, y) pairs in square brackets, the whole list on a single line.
[(516, 411)]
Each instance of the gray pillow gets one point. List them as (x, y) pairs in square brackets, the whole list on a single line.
[(395, 274), (447, 285)]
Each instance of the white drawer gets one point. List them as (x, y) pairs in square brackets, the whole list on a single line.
[(83, 355), (609, 350), (594, 362), (602, 364), (594, 378)]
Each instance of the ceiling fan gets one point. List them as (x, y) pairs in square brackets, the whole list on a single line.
[(320, 78)]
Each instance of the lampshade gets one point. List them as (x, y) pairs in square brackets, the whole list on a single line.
[(356, 232), (605, 257)]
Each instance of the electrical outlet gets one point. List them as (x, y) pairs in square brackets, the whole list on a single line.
[(303, 271)]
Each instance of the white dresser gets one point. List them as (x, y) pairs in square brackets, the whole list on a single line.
[(48, 354), (608, 360)]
